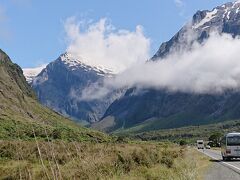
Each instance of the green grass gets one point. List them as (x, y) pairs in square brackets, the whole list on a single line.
[(17, 126)]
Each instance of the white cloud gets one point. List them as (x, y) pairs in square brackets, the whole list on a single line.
[(179, 3), (31, 73), (101, 44), (208, 68)]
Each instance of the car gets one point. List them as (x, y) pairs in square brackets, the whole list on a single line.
[(208, 147)]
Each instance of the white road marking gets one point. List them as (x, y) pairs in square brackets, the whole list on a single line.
[(222, 161)]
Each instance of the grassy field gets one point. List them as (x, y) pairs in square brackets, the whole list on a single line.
[(73, 160)]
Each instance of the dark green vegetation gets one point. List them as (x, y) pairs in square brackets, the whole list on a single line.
[(22, 117), (215, 139), (189, 134)]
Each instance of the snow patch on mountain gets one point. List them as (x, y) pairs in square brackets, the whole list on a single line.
[(225, 11), (72, 62), (31, 73), (209, 16)]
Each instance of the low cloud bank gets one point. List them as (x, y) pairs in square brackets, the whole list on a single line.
[(211, 67), (208, 68)]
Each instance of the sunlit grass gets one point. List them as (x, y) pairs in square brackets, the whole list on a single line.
[(69, 160)]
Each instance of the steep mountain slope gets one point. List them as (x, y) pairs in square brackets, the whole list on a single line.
[(61, 84), (22, 117), (157, 109)]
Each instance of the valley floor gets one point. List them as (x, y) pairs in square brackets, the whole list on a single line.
[(72, 160)]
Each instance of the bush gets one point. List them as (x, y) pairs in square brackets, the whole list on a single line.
[(183, 142)]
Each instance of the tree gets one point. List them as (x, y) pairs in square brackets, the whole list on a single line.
[(215, 139)]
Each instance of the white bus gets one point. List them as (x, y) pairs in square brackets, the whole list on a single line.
[(200, 144), (230, 146)]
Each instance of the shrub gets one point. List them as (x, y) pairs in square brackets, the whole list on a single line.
[(183, 142)]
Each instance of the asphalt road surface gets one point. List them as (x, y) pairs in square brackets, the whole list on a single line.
[(221, 170)]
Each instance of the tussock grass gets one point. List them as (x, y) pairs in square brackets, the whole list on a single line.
[(183, 167), (76, 160)]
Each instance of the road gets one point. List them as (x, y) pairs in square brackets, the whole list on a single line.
[(221, 170)]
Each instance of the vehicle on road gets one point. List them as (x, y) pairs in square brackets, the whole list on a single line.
[(208, 147), (200, 144), (230, 146)]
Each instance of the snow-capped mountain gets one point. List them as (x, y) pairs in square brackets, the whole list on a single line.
[(222, 19), (73, 63), (60, 86), (217, 17), (156, 109), (31, 73)]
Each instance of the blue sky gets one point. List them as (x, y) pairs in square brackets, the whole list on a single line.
[(32, 31)]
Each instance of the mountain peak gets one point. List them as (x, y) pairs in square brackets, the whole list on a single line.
[(222, 19), (226, 12), (74, 62)]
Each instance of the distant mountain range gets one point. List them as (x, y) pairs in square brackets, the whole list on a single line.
[(60, 85)]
